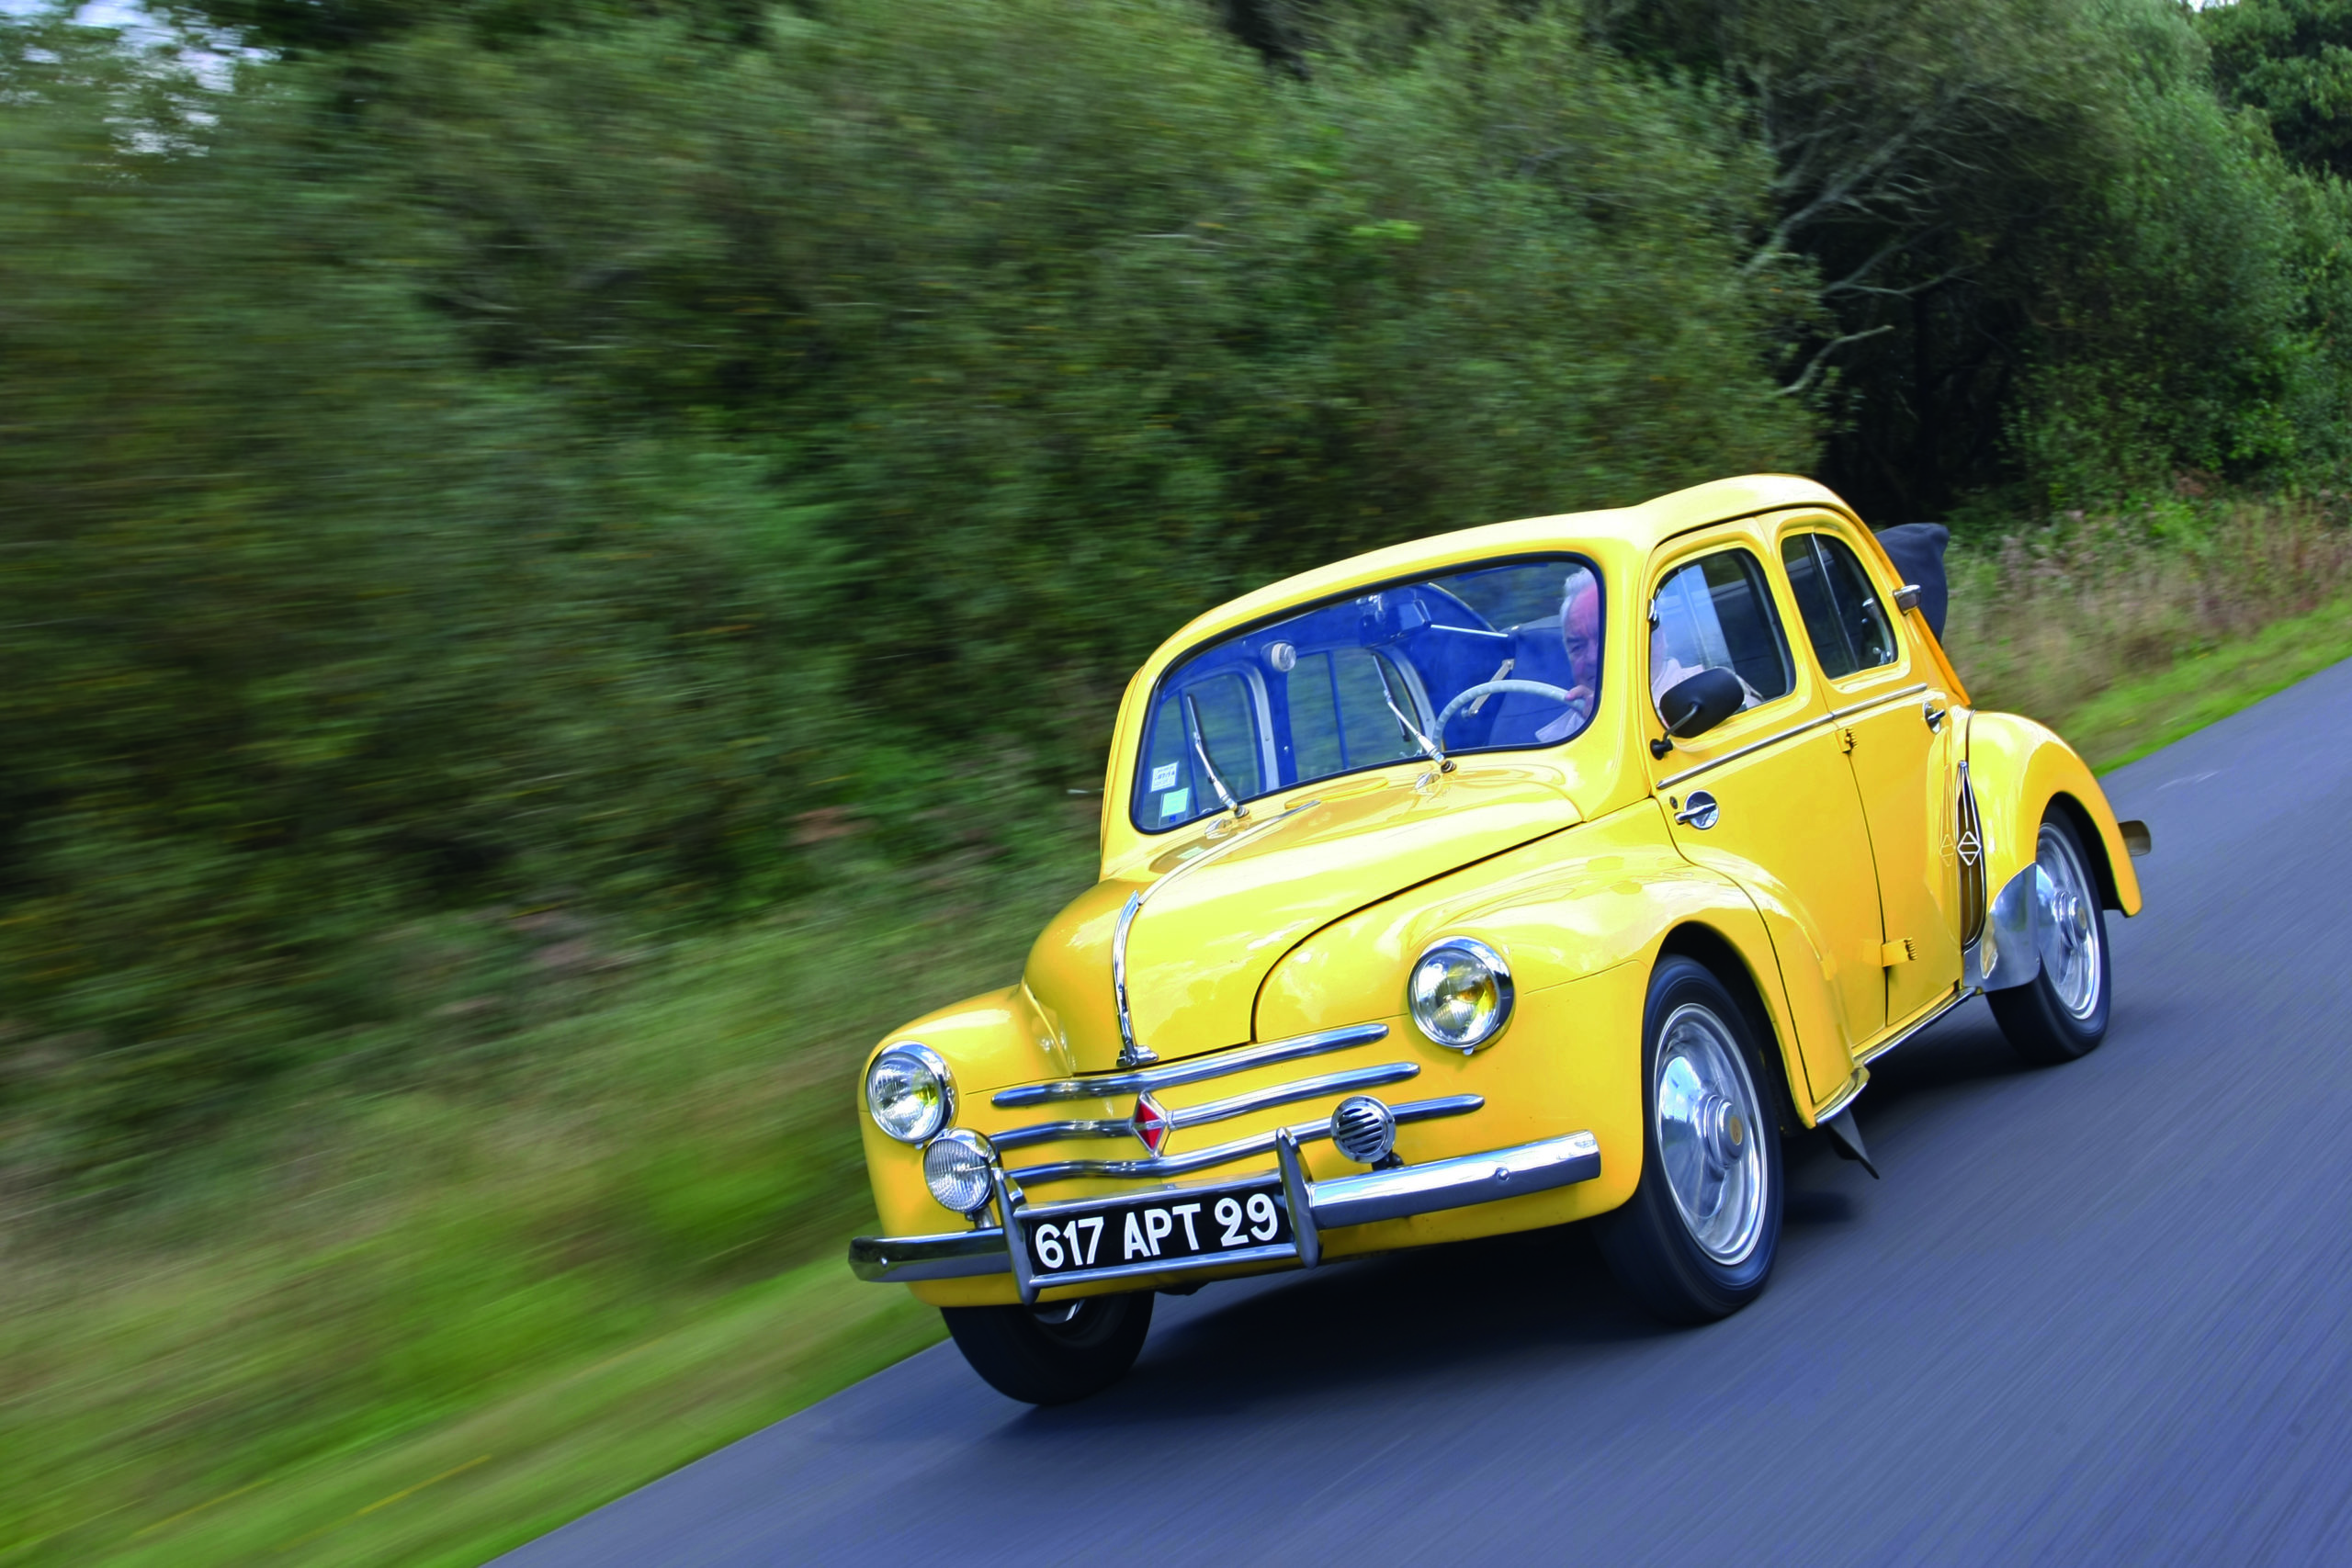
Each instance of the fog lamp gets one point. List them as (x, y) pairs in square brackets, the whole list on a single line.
[(1459, 993), (955, 1168), (909, 1093)]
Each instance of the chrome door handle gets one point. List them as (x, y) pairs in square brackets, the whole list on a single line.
[(1934, 714), (1700, 813)]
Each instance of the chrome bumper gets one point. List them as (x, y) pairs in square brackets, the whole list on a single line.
[(1315, 1207)]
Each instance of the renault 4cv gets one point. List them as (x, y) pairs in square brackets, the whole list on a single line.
[(1550, 871)]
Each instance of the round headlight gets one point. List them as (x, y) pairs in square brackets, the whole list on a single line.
[(955, 1166), (909, 1093), (1461, 993)]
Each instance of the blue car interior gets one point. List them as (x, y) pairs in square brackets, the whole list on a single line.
[(1303, 698)]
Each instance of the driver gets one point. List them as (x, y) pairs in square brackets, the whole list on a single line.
[(1580, 636)]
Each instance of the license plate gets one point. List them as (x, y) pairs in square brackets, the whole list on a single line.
[(1176, 1228)]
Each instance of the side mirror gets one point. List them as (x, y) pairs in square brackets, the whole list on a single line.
[(1696, 704)]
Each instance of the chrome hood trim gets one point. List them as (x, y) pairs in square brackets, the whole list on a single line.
[(1192, 1069), (1132, 1053)]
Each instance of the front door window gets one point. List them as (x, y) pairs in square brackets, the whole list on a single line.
[(1715, 614)]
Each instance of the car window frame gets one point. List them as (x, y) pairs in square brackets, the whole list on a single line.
[(1905, 652), (1417, 695), (1715, 541), (1812, 537)]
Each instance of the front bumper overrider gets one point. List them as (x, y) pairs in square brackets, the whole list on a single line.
[(1314, 1206)]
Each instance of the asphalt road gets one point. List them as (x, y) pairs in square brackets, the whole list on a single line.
[(2094, 1314)]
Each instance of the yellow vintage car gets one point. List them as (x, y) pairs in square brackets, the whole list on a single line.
[(1550, 871)]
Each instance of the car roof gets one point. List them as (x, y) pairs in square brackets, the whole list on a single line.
[(1636, 530)]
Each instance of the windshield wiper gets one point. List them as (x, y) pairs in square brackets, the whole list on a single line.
[(1201, 749), (1429, 747)]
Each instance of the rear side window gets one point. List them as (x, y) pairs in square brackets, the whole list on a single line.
[(1841, 613), (1715, 614)]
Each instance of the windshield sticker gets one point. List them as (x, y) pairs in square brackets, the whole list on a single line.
[(1175, 803), (1164, 776)]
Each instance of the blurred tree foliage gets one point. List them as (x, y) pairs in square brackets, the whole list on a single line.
[(491, 459), (465, 458), (2292, 59), (2053, 264)]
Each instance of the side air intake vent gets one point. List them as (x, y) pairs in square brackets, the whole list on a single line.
[(1968, 839)]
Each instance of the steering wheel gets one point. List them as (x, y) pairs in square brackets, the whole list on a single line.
[(1488, 688)]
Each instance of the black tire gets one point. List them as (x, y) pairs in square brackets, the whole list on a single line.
[(1654, 1248), (2035, 1017), (1056, 1353)]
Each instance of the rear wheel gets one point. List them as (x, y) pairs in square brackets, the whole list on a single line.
[(1697, 1240), (1055, 1353), (2061, 1014)]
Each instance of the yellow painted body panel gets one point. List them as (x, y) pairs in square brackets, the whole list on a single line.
[(2019, 768), (1829, 891), (1194, 970)]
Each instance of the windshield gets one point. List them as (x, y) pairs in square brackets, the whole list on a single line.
[(1494, 657)]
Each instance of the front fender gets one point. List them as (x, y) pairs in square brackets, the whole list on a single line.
[(1596, 898), (1568, 907), (987, 1042)]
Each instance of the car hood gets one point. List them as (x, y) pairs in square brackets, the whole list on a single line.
[(1221, 909)]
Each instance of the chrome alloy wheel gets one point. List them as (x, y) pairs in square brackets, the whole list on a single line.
[(2067, 930), (1710, 1134)]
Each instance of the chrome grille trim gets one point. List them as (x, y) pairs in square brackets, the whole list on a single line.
[(1193, 1070), (1227, 1153), (1214, 1110)]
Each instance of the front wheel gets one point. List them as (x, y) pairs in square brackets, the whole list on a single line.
[(1696, 1241), (1055, 1353), (2061, 1013)]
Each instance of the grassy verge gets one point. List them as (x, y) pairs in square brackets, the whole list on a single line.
[(2128, 720), (572, 1439), (421, 1319), (575, 1436)]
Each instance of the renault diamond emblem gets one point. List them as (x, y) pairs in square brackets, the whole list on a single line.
[(1151, 1123)]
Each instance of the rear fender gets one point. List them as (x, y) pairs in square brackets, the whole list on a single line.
[(2019, 769)]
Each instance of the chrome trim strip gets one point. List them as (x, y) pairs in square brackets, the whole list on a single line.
[(1130, 1054), (1214, 1110), (1227, 1153), (1456, 1183), (952, 1256), (1960, 993), (1053, 1132), (1748, 750), (1314, 1206), (1133, 1054), (1879, 701), (1844, 1097), (1030, 1210), (1835, 717), (1193, 1070)]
